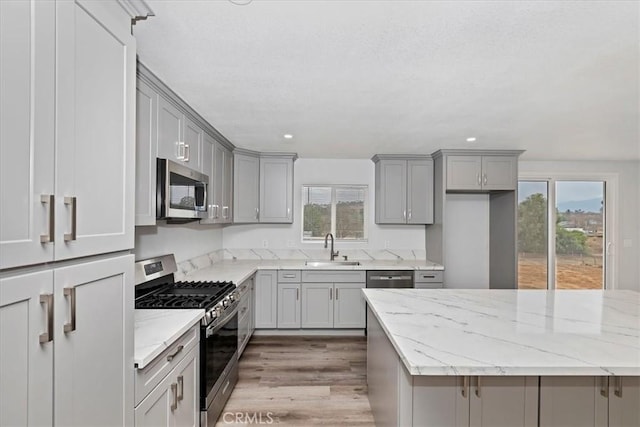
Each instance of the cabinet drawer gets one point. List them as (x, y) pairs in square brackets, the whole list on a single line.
[(324, 276), (154, 372), (429, 277), (291, 276), (243, 305)]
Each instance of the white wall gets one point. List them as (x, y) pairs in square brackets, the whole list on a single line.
[(326, 171), (627, 220), (185, 241)]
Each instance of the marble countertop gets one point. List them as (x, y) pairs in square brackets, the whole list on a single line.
[(157, 329), (511, 332), (240, 270)]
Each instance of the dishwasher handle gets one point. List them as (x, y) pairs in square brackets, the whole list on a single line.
[(391, 278)]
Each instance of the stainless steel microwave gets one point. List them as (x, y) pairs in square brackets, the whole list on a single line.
[(181, 192)]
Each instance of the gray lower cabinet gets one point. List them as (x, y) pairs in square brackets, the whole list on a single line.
[(349, 307), (57, 323), (428, 279), (289, 306), (403, 189), (333, 299), (245, 313), (398, 398), (266, 299), (589, 401), (478, 172), (175, 400), (317, 305)]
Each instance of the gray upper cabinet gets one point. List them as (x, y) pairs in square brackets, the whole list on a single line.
[(217, 163), (246, 188), (404, 189), (168, 128), (276, 189), (262, 187), (478, 172)]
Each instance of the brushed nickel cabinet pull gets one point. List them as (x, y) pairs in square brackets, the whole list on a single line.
[(48, 335), (71, 294), (174, 392), (484, 179), (297, 293), (50, 200), (187, 152), (604, 386), (170, 357), (478, 386), (465, 386), (257, 213), (337, 293), (479, 179), (225, 212), (409, 213), (330, 293), (180, 388), (73, 201), (618, 386)]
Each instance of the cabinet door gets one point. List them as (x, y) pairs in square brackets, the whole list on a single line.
[(187, 414), (572, 402), (266, 300), (26, 363), (464, 172), (439, 402), (146, 149), (391, 192), (94, 342), (27, 47), (317, 305), (170, 131), (419, 192), (95, 128), (288, 305), (503, 401), (624, 401), (228, 187), (246, 178), (208, 162), (499, 172), (155, 409), (193, 145), (216, 179), (349, 306), (276, 190)]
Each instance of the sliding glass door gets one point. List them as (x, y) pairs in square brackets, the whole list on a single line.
[(562, 234)]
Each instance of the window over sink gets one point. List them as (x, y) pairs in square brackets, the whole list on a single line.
[(337, 209)]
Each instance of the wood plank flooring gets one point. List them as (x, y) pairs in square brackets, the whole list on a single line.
[(301, 381)]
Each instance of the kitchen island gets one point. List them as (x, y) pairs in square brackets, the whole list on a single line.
[(503, 357)]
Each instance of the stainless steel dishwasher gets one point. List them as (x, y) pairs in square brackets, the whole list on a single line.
[(390, 279)]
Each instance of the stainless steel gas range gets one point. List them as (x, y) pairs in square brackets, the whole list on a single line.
[(156, 288)]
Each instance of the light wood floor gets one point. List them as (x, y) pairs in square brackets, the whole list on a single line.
[(301, 381)]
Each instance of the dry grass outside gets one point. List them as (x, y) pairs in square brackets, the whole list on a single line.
[(572, 272)]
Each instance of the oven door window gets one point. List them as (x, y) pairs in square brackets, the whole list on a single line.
[(219, 348), (186, 193)]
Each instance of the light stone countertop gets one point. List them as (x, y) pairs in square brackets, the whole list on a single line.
[(511, 332), (240, 270), (156, 329)]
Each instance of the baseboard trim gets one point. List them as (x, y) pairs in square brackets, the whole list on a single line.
[(310, 332)]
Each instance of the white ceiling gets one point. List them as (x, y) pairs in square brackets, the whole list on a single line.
[(354, 78)]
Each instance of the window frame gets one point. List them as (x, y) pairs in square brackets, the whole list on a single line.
[(610, 219), (365, 221)]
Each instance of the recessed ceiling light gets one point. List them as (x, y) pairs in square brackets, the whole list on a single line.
[(471, 139), (288, 136)]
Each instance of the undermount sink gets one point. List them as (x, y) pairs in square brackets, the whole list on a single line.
[(331, 263)]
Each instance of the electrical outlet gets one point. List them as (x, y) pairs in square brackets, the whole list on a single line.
[(265, 243)]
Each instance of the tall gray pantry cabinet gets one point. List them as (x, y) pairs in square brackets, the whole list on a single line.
[(66, 212)]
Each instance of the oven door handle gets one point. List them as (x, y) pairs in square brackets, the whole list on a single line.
[(220, 323)]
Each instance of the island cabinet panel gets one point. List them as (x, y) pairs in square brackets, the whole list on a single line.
[(590, 401), (289, 305), (503, 401), (624, 401), (266, 300), (439, 402)]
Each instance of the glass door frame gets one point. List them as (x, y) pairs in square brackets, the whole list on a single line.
[(610, 212)]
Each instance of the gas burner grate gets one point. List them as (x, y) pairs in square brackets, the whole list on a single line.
[(204, 285), (176, 301)]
